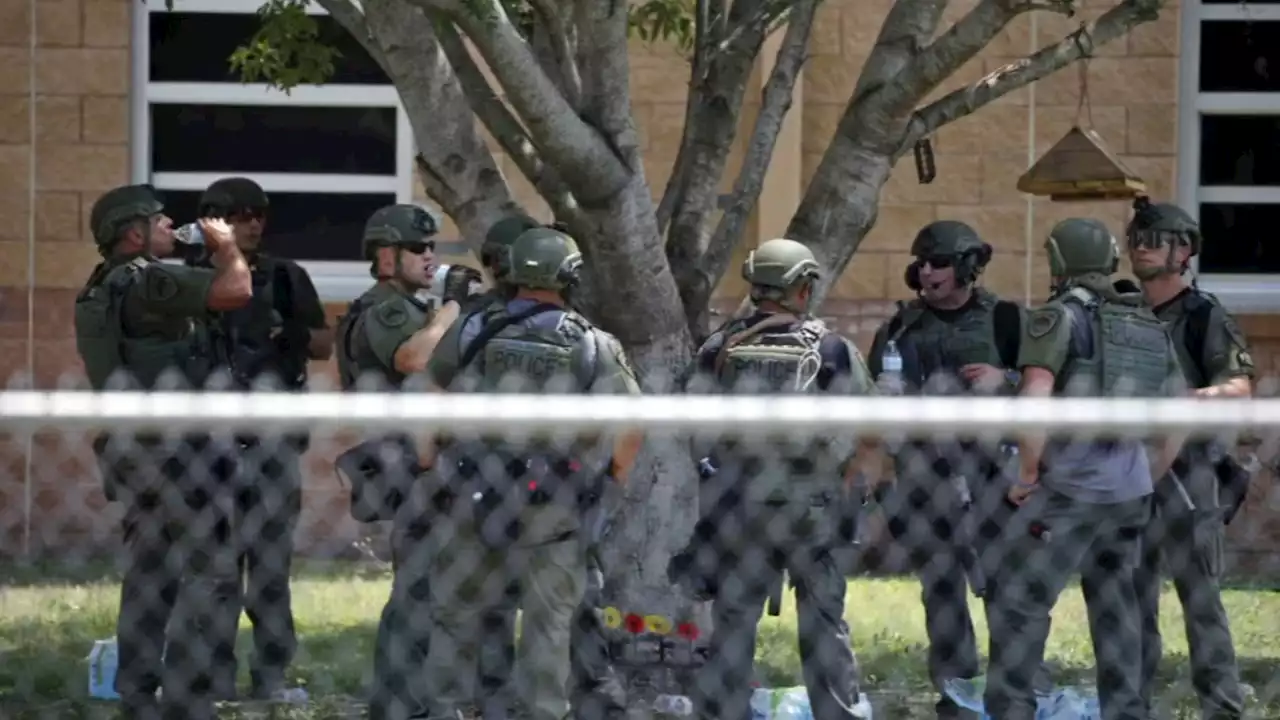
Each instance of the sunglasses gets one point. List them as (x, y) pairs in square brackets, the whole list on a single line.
[(249, 213), (938, 262), (419, 248)]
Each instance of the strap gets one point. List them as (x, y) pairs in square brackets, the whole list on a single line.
[(733, 341), (908, 315), (491, 330), (1199, 310)]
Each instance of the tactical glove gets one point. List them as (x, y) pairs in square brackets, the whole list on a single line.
[(458, 283)]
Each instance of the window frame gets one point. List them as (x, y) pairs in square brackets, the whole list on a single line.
[(335, 281), (1239, 292)]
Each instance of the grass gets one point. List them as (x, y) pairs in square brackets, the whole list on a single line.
[(49, 619)]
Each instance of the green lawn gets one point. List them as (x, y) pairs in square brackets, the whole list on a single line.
[(47, 627)]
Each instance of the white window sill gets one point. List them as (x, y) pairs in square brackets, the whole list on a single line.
[(1242, 294)]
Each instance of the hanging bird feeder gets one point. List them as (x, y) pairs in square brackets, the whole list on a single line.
[(1080, 167)]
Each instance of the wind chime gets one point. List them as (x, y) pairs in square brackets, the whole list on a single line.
[(1080, 167)]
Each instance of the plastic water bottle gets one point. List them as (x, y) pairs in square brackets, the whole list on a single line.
[(673, 705), (103, 661), (890, 379), (189, 234)]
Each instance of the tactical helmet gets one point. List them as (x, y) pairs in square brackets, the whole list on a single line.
[(118, 207), (781, 264), (398, 226), (495, 253), (951, 239), (545, 258), (1079, 246), (1157, 222), (233, 196)]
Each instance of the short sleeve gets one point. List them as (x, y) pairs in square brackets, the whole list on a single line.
[(386, 327), (1046, 339), (1226, 351)]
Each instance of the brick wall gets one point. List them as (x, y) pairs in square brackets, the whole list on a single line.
[(81, 149)]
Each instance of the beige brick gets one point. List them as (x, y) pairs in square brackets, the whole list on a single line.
[(15, 70), (58, 23), (665, 127), (657, 169), (865, 277), (57, 119), (827, 31), (58, 216), (15, 23), (896, 226), (1158, 171), (859, 29), (15, 205), (106, 23), (897, 287), (64, 265), (1152, 129), (1006, 275), (13, 271), (106, 119), (809, 163), (1158, 38), (997, 128), (15, 119), (83, 71), (999, 181), (1114, 81), (958, 182), (830, 79), (82, 167), (657, 84), (1003, 226), (819, 125), (1053, 122)]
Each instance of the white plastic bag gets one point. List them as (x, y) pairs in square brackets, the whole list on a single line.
[(793, 704), (1065, 703)]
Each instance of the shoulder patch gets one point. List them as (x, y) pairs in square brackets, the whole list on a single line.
[(161, 286), (1042, 321), (391, 314)]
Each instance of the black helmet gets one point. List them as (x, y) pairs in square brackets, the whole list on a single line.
[(118, 207), (233, 196)]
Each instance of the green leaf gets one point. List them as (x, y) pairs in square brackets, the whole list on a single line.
[(666, 20), (287, 50)]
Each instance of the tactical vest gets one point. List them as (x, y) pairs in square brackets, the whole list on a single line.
[(355, 358), (933, 350), (519, 358), (137, 357), (255, 355), (1130, 350), (1187, 321), (777, 355)]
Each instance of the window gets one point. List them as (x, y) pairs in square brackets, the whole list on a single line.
[(328, 155), (1229, 146)]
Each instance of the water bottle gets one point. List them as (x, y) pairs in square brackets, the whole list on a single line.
[(673, 705), (442, 273), (890, 379), (189, 234)]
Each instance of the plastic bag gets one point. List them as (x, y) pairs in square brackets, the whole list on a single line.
[(1065, 703), (793, 704), (103, 661)]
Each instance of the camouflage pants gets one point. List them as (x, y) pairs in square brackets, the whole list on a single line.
[(179, 575), (1049, 539), (471, 580), (722, 688), (1188, 543), (268, 503)]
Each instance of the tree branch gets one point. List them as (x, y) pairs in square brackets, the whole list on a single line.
[(776, 102), (558, 36), (352, 19), (603, 61), (456, 167), (585, 161), (504, 126), (906, 29), (1112, 25)]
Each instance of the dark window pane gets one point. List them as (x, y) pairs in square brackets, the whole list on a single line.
[(197, 47), (1240, 150), (263, 138), (1237, 2), (302, 226), (1239, 239), (1239, 56)]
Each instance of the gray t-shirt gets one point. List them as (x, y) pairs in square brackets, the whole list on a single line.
[(1098, 473)]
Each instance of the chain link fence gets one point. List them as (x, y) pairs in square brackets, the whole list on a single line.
[(153, 531)]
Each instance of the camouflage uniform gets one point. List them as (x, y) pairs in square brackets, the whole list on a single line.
[(140, 325)]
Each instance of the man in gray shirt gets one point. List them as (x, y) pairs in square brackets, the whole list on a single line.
[(1082, 501)]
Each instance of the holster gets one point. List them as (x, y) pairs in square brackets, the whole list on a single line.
[(1233, 486), (380, 473)]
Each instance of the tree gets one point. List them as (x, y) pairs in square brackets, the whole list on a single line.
[(549, 81)]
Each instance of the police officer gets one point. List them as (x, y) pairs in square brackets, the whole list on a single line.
[(272, 339), (380, 345), (1082, 501), (955, 337), (1187, 530), (784, 495), (140, 325), (509, 512)]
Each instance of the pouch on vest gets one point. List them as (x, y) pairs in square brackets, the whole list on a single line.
[(380, 473), (99, 325)]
